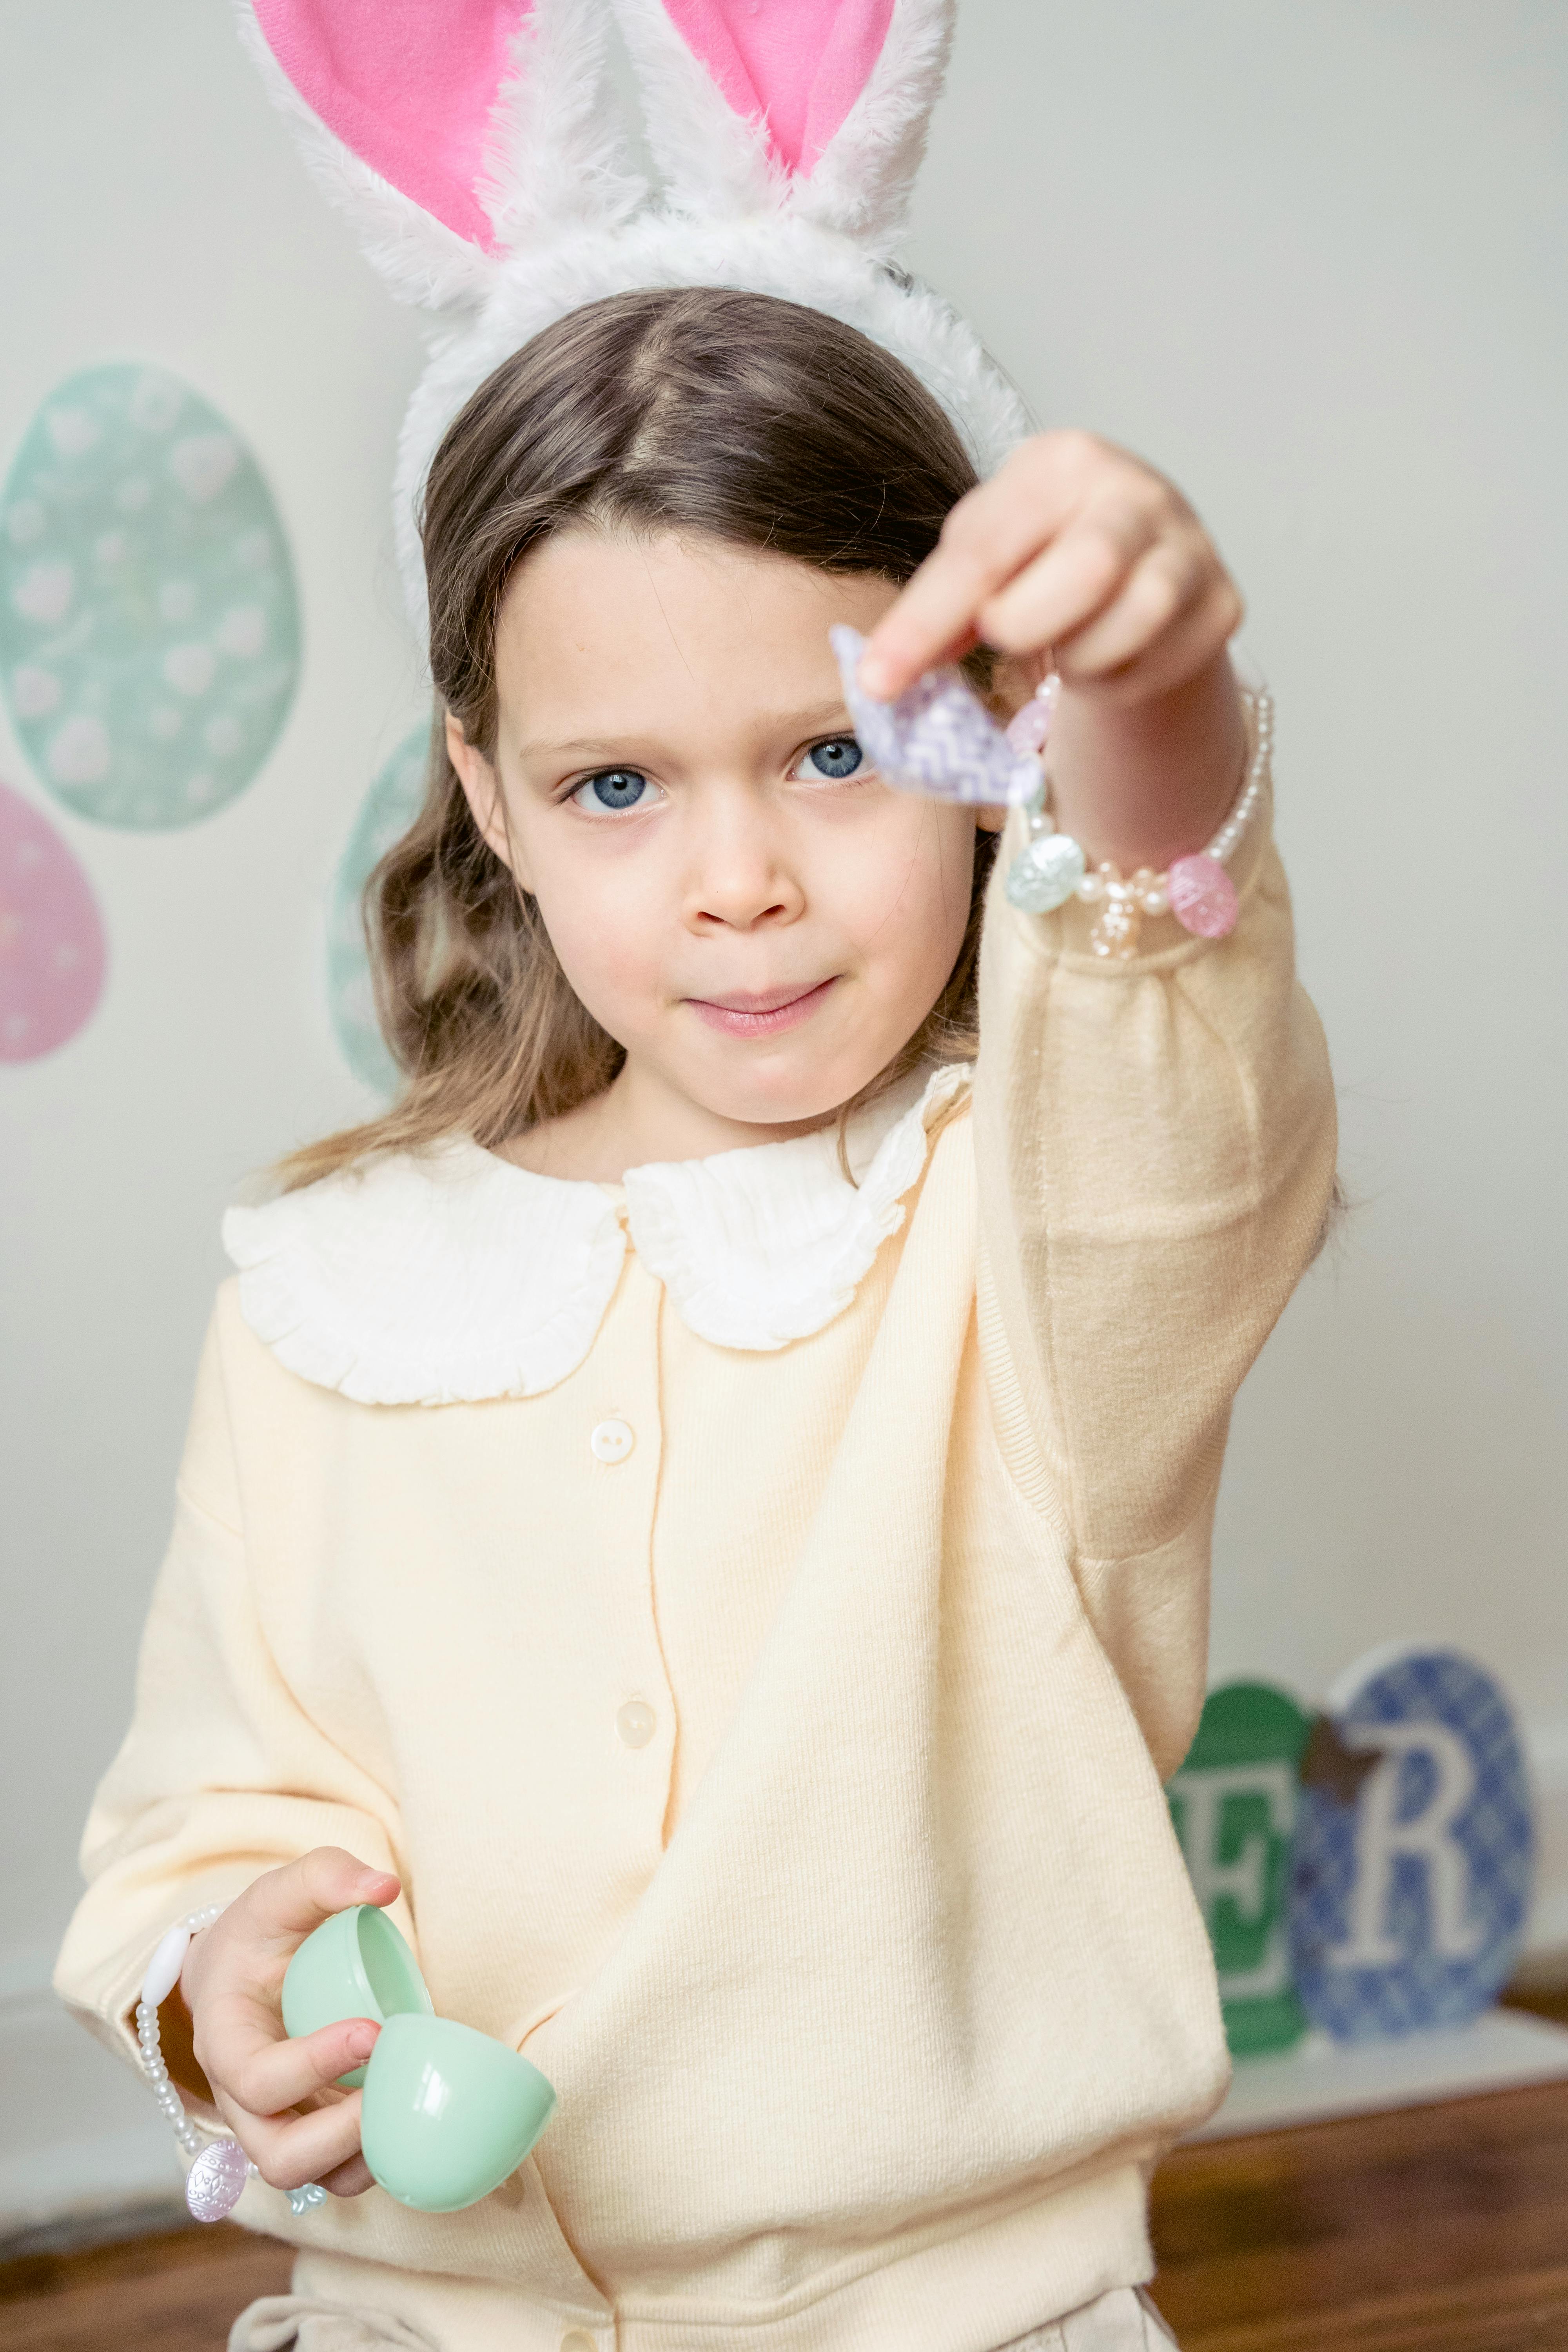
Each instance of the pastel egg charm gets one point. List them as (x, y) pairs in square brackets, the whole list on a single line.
[(1046, 874), (1202, 895), (1029, 728), (215, 2181), (149, 627), (51, 935)]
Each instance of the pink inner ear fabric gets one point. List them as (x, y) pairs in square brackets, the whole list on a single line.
[(799, 64), (408, 84)]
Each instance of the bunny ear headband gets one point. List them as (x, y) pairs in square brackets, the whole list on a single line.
[(475, 145)]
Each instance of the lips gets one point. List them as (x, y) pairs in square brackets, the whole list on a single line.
[(762, 1015)]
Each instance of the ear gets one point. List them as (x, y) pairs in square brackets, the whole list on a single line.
[(819, 104), (448, 130), (486, 803)]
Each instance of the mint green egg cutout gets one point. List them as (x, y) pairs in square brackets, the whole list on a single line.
[(387, 811), (149, 622)]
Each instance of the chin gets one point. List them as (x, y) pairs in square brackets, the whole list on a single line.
[(783, 1098)]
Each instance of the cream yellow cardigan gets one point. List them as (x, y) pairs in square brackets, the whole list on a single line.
[(761, 1668)]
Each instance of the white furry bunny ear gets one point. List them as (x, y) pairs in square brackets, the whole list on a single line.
[(450, 131), (818, 107)]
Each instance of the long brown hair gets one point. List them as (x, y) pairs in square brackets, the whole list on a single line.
[(696, 410)]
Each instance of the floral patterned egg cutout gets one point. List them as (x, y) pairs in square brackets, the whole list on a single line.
[(149, 625), (387, 811), (51, 939)]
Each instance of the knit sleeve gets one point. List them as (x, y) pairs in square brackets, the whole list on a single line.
[(1156, 1147), (222, 1775)]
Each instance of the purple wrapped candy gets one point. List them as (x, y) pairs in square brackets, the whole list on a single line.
[(937, 738)]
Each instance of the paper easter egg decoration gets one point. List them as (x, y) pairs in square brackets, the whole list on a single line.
[(52, 938), (1234, 1804), (1414, 1848), (149, 626), (387, 811)]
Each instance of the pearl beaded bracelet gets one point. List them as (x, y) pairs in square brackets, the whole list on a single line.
[(221, 2167), (1052, 869)]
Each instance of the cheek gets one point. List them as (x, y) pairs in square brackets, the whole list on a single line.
[(603, 926), (906, 903)]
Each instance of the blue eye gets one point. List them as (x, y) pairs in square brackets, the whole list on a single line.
[(838, 757), (613, 788)]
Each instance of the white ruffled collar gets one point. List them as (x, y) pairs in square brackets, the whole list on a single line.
[(450, 1276)]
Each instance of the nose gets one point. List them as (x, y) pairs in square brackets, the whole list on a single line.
[(741, 878)]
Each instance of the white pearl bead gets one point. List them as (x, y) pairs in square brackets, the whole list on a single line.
[(1231, 832)]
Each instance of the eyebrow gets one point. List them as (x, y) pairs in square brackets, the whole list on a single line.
[(802, 723)]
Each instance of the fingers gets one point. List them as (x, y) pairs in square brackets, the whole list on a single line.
[(262, 2071), (1175, 654), (260, 2077), (290, 2150), (988, 537), (1074, 545), (253, 1942), (1176, 580), (285, 1906), (1085, 571), (261, 2084)]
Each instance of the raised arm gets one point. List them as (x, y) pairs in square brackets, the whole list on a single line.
[(1154, 1134)]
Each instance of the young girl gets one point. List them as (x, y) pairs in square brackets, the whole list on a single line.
[(703, 1509)]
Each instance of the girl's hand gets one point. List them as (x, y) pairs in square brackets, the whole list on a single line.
[(1077, 548), (1075, 545), (232, 1983)]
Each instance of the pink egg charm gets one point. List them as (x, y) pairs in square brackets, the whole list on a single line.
[(1202, 895), (214, 2182), (51, 939), (1029, 728)]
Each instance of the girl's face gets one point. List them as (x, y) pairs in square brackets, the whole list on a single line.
[(731, 891)]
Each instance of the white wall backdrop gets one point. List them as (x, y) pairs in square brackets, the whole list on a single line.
[(1306, 257)]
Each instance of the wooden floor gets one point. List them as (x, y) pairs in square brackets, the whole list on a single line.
[(1438, 2230), (1441, 2227)]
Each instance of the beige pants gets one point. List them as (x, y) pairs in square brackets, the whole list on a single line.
[(277, 2323), (1124, 2321)]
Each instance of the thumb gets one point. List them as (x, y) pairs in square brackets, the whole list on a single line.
[(290, 1903)]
